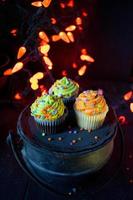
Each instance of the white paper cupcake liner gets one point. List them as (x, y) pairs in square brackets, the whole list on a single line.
[(90, 122)]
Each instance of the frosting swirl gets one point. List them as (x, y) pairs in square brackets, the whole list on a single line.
[(65, 88), (47, 107), (91, 102)]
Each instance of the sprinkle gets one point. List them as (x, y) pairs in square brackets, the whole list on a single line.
[(74, 141), (49, 139), (70, 193), (43, 134), (74, 132), (79, 138), (60, 138), (69, 131), (96, 137)]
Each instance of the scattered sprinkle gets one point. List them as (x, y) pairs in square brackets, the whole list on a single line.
[(74, 189), (60, 138), (74, 141), (69, 131), (79, 138), (96, 137), (74, 132), (49, 139), (43, 134)]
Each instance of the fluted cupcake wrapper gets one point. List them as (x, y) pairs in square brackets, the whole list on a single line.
[(53, 126), (90, 122)]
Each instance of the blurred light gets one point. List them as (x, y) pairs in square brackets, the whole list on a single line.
[(21, 52), (46, 3), (87, 58), (70, 28), (53, 20), (131, 107), (84, 51), (43, 89), (70, 3), (43, 36), (84, 13), (78, 21), (128, 95), (62, 5), (38, 75), (74, 65), (33, 80), (122, 119), (34, 86), (48, 62), (18, 96), (55, 38), (18, 66), (82, 70), (44, 49), (37, 4), (7, 72), (64, 37), (14, 32), (70, 36), (64, 73)]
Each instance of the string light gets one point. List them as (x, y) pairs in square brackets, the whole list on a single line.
[(21, 52), (64, 37), (70, 28), (48, 62), (82, 70), (53, 20), (46, 3), (18, 66), (42, 35), (55, 38), (70, 3), (37, 4), (131, 107), (74, 65), (128, 95), (7, 72), (70, 36), (38, 75), (122, 119), (78, 21), (64, 73), (18, 96), (87, 58), (44, 49)]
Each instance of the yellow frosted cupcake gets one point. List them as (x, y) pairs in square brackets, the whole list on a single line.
[(91, 109), (49, 112)]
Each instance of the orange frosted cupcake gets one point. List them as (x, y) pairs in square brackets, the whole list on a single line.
[(91, 109)]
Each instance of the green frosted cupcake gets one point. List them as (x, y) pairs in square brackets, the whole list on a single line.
[(65, 88), (49, 113), (90, 109)]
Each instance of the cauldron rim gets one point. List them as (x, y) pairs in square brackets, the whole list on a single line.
[(40, 147)]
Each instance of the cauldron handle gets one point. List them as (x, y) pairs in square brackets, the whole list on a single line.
[(15, 142)]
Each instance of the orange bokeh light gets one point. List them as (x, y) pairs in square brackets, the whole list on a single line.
[(62, 5), (38, 75), (43, 36), (37, 3), (64, 37), (18, 96), (87, 58), (7, 72), (128, 95), (78, 21), (74, 65), (21, 52), (53, 20), (131, 107), (70, 36), (44, 49), (14, 32), (55, 38), (70, 28), (84, 51), (46, 3), (70, 3), (82, 70), (18, 66), (48, 62)]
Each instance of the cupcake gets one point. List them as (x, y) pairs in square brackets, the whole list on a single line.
[(65, 88), (49, 113), (90, 109)]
